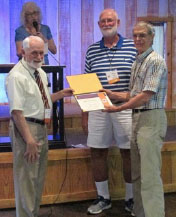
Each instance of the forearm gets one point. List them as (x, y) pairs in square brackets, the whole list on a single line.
[(121, 96), (52, 46), (118, 96), (57, 96), (22, 126), (60, 94), (137, 100)]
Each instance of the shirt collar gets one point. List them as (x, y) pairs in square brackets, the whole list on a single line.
[(141, 57), (117, 46), (26, 66)]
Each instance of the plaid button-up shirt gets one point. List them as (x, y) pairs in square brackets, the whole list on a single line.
[(149, 73)]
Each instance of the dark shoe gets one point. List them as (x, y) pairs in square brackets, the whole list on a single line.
[(99, 205), (129, 206)]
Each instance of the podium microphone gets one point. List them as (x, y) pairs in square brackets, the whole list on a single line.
[(35, 25)]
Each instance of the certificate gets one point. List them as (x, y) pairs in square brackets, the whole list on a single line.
[(93, 101), (86, 91)]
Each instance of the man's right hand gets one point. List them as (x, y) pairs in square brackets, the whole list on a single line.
[(31, 153), (109, 93)]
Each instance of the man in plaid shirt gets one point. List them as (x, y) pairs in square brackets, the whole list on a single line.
[(148, 87)]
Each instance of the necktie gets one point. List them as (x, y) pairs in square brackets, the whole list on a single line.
[(41, 88)]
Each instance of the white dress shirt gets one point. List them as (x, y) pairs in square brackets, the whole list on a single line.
[(23, 92)]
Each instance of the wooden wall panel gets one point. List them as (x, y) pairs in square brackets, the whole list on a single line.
[(15, 9), (142, 8), (75, 14), (163, 8), (64, 36), (109, 4), (172, 12), (173, 156), (6, 181), (5, 34), (50, 11), (167, 178), (43, 8), (153, 8), (98, 7), (87, 28), (169, 63), (121, 10), (131, 14)]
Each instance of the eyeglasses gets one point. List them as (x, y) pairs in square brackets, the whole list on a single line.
[(34, 13), (37, 53), (103, 21)]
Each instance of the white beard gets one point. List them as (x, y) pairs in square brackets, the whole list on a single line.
[(34, 64), (109, 32)]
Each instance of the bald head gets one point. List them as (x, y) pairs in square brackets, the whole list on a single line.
[(32, 41), (109, 11)]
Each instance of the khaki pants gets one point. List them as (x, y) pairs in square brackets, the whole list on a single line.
[(149, 129), (28, 177)]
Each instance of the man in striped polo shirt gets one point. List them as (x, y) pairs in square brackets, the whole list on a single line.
[(111, 59), (148, 87)]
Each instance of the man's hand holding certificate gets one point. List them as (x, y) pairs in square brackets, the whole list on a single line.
[(86, 91)]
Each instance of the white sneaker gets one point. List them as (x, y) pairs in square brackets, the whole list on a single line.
[(99, 205)]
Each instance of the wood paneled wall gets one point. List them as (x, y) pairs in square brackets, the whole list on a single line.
[(74, 27), (172, 11)]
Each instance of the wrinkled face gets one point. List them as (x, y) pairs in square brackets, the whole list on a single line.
[(35, 54), (142, 39), (31, 15), (108, 24)]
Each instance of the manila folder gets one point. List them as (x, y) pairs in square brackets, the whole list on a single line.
[(84, 83)]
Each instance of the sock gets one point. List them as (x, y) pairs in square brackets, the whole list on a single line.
[(102, 189), (129, 191)]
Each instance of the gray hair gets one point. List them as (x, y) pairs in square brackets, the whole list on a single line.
[(26, 7), (148, 26), (26, 41)]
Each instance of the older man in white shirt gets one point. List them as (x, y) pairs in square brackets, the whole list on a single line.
[(30, 104)]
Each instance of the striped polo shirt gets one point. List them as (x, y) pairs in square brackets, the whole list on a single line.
[(149, 73), (100, 60)]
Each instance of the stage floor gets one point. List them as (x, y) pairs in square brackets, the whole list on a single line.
[(79, 209)]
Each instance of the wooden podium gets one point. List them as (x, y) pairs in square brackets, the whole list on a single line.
[(57, 138)]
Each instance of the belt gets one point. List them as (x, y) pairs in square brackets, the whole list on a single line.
[(140, 110), (37, 121)]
